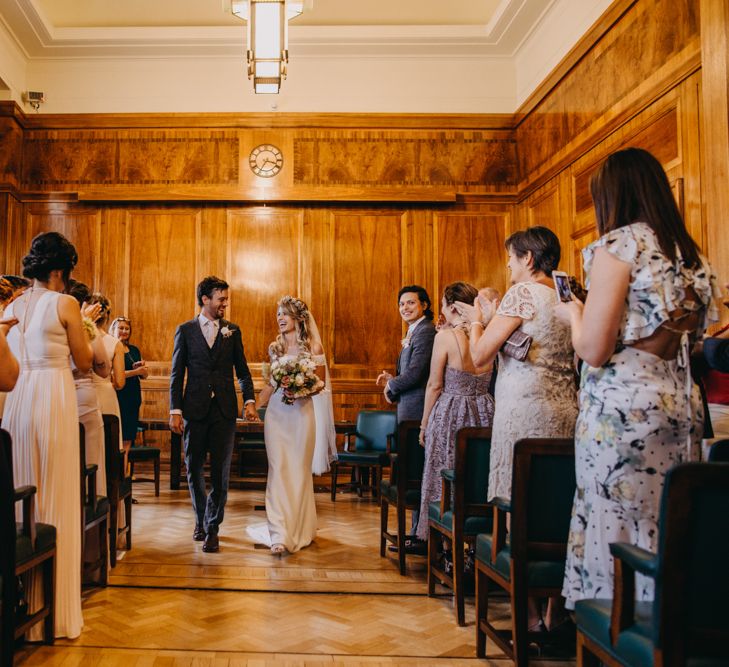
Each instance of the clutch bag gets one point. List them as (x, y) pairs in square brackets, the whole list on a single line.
[(517, 345)]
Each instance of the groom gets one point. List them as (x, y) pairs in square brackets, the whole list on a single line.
[(209, 348)]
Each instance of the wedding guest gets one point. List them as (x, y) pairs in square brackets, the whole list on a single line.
[(535, 397), (18, 284), (9, 373), (9, 368), (6, 294), (42, 417), (650, 292), (456, 396), (130, 395), (407, 386), (89, 413)]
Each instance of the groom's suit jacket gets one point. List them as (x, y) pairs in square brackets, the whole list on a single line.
[(407, 388), (209, 371)]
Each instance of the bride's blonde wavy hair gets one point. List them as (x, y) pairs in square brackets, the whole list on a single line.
[(299, 311)]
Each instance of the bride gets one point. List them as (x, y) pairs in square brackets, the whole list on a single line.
[(300, 437)]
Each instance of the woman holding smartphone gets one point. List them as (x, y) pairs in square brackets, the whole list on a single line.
[(650, 297)]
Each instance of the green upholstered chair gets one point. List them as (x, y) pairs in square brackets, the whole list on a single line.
[(118, 487), (369, 451), (462, 512), (719, 452), (403, 488), (688, 621), (144, 454), (94, 517), (531, 562), (23, 547)]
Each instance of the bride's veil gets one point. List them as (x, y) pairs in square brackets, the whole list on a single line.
[(325, 449)]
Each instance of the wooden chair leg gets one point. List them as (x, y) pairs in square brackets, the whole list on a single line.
[(459, 568), (128, 516), (103, 548), (358, 477), (519, 621), (585, 658), (376, 482), (384, 511), (334, 481), (49, 597), (482, 601), (113, 531), (156, 477), (431, 560), (401, 538)]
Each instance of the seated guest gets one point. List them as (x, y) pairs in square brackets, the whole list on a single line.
[(456, 396), (130, 395), (42, 418), (535, 397), (89, 413), (650, 291)]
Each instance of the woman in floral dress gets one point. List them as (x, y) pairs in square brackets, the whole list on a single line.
[(650, 295)]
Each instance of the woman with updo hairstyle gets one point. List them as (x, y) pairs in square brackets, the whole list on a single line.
[(42, 418), (292, 430), (456, 396)]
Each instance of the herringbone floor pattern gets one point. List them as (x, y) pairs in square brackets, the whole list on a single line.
[(334, 603)]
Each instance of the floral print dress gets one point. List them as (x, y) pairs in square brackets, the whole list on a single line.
[(639, 416)]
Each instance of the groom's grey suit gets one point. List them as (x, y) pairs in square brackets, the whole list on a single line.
[(209, 409)]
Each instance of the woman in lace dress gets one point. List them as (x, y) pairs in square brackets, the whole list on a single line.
[(457, 396), (650, 296), (42, 417), (290, 436)]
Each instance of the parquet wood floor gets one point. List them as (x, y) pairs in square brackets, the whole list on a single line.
[(334, 603)]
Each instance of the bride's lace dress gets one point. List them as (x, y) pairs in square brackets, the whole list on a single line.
[(290, 435)]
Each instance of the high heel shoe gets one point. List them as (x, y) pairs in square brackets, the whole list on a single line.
[(278, 549)]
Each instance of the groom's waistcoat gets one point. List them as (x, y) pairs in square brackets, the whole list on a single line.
[(209, 371)]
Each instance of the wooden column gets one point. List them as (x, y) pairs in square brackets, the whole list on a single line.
[(715, 132)]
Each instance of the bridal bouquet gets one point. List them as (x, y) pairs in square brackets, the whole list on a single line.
[(296, 377)]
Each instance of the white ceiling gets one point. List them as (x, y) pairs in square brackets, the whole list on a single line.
[(129, 28)]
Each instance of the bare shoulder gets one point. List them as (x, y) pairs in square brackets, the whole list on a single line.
[(316, 348)]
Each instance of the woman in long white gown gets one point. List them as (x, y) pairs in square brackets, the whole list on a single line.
[(42, 417), (290, 433)]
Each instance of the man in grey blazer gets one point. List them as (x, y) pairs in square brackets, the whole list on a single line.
[(209, 348), (407, 387)]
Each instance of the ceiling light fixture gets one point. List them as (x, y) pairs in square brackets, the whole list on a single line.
[(268, 39)]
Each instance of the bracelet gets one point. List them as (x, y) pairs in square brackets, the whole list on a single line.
[(481, 324)]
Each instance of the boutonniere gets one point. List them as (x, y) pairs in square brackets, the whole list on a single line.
[(405, 342), (226, 331)]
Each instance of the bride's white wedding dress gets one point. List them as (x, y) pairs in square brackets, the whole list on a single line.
[(290, 433)]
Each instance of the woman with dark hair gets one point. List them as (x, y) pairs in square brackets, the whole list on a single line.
[(456, 396), (130, 395), (650, 294), (536, 396), (42, 417)]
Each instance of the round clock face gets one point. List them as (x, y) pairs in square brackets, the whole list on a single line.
[(265, 160)]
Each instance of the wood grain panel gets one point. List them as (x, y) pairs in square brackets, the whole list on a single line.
[(11, 147), (470, 248), (264, 265), (162, 276), (367, 269)]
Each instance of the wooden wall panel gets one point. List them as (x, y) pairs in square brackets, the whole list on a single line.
[(367, 273), (470, 248), (265, 264), (161, 259), (11, 151)]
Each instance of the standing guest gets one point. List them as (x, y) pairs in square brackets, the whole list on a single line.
[(407, 387), (208, 348), (9, 368), (89, 413), (11, 372), (107, 387), (650, 293), (456, 396), (535, 397), (18, 285), (130, 395), (42, 417)]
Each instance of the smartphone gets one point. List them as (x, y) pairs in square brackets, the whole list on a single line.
[(562, 285)]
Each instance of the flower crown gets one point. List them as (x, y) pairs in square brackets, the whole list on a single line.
[(297, 303)]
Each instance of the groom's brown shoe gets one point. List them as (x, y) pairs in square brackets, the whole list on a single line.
[(198, 535), (211, 544)]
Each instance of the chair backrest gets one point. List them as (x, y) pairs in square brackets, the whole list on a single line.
[(691, 614), (542, 494), (410, 456), (7, 507), (114, 460), (719, 451), (373, 427), (262, 413), (472, 464)]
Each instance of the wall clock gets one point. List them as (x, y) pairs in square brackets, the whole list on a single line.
[(265, 160)]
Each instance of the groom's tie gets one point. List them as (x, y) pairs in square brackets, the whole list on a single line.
[(210, 332)]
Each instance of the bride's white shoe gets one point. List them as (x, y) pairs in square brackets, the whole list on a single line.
[(278, 549)]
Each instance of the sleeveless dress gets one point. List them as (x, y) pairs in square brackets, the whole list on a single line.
[(290, 436), (130, 396), (537, 397), (105, 392), (89, 414), (639, 416), (464, 401), (41, 415)]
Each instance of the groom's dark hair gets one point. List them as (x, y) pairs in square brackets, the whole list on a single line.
[(207, 286)]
